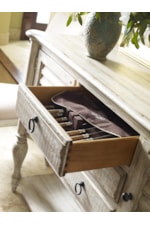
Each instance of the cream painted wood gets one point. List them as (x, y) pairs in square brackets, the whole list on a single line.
[(144, 204), (118, 82), (144, 197), (53, 72), (123, 85), (90, 198), (32, 63), (137, 176), (50, 137), (110, 179), (144, 201), (19, 153)]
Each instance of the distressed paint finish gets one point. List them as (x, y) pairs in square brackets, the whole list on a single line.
[(124, 86)]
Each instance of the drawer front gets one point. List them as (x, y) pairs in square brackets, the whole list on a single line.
[(87, 195), (52, 73), (111, 180), (64, 154), (53, 144)]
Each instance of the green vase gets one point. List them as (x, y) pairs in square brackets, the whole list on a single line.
[(101, 35)]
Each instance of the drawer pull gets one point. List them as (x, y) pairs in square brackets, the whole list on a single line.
[(127, 196), (31, 124), (79, 187)]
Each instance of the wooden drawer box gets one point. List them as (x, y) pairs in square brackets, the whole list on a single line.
[(61, 152)]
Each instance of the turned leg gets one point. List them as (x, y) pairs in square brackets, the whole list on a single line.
[(19, 153)]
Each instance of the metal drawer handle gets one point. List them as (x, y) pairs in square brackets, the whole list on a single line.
[(31, 124), (79, 187), (127, 196)]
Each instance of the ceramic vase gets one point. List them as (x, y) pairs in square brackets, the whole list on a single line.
[(101, 35)]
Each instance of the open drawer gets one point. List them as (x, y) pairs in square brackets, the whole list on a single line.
[(62, 153)]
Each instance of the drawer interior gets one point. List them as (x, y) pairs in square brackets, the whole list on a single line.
[(104, 151)]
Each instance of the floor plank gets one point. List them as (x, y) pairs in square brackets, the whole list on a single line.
[(46, 193), (14, 58), (8, 68), (6, 76)]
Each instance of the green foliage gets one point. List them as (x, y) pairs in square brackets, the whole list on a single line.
[(76, 16), (137, 24)]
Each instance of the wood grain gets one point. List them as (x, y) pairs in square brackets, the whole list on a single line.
[(10, 67), (46, 193)]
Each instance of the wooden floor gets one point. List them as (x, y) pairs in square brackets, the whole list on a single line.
[(14, 59), (9, 73), (5, 76), (46, 193)]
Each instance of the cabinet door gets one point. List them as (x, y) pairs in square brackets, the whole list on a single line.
[(101, 188), (144, 201), (144, 196), (137, 182), (111, 180)]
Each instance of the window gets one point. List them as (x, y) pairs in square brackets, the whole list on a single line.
[(142, 55), (43, 17)]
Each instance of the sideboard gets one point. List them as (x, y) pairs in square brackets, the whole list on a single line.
[(123, 85)]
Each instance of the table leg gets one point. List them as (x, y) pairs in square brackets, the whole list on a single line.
[(19, 153)]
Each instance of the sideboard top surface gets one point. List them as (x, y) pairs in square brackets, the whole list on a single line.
[(120, 82)]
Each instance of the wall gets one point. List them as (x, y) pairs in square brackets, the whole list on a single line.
[(10, 26), (15, 25), (4, 27)]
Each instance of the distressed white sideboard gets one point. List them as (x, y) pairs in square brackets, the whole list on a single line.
[(123, 85)]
